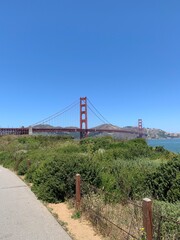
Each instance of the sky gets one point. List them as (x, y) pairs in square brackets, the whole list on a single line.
[(123, 55)]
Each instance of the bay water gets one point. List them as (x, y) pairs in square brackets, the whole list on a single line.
[(172, 145)]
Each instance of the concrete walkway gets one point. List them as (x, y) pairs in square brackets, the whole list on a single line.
[(22, 216)]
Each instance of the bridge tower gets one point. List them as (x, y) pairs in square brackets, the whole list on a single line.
[(140, 128), (83, 117)]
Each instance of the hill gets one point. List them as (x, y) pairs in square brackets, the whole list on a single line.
[(158, 133)]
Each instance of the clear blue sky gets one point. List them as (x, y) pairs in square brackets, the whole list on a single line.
[(123, 55)]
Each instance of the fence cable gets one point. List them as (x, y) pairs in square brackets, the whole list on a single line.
[(166, 218), (99, 215)]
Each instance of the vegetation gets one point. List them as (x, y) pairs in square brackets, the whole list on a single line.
[(164, 182), (121, 170), (124, 169)]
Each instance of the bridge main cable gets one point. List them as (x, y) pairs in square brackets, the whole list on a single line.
[(55, 115)]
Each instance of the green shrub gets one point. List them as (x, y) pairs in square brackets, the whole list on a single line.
[(7, 159), (54, 180), (96, 143), (23, 167), (164, 183), (166, 217)]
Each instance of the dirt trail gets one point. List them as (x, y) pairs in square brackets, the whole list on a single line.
[(80, 229)]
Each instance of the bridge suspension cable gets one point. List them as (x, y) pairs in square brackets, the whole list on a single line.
[(97, 113), (57, 114)]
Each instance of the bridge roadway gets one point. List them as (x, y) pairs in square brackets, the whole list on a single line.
[(26, 131)]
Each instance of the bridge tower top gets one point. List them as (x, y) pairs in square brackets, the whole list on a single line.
[(83, 117)]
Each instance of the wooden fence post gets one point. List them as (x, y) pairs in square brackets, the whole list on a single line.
[(78, 191), (147, 218)]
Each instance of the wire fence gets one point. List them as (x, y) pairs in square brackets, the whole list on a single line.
[(125, 220), (165, 228), (114, 220)]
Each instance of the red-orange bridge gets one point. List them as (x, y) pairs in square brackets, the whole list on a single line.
[(83, 129)]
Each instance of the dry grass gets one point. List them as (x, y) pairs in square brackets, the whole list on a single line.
[(115, 221)]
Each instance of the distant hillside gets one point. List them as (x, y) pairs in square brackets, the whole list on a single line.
[(151, 132), (158, 133), (43, 126), (115, 134), (107, 126)]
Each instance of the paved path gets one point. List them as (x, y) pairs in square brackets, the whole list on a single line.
[(22, 216)]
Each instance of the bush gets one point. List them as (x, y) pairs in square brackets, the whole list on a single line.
[(23, 167), (54, 180), (166, 217), (96, 143), (164, 183)]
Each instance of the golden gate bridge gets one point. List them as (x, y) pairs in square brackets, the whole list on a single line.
[(84, 105)]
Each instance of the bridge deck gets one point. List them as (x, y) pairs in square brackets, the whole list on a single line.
[(23, 131)]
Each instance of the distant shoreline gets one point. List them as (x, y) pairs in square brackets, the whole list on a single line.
[(171, 144), (168, 138)]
